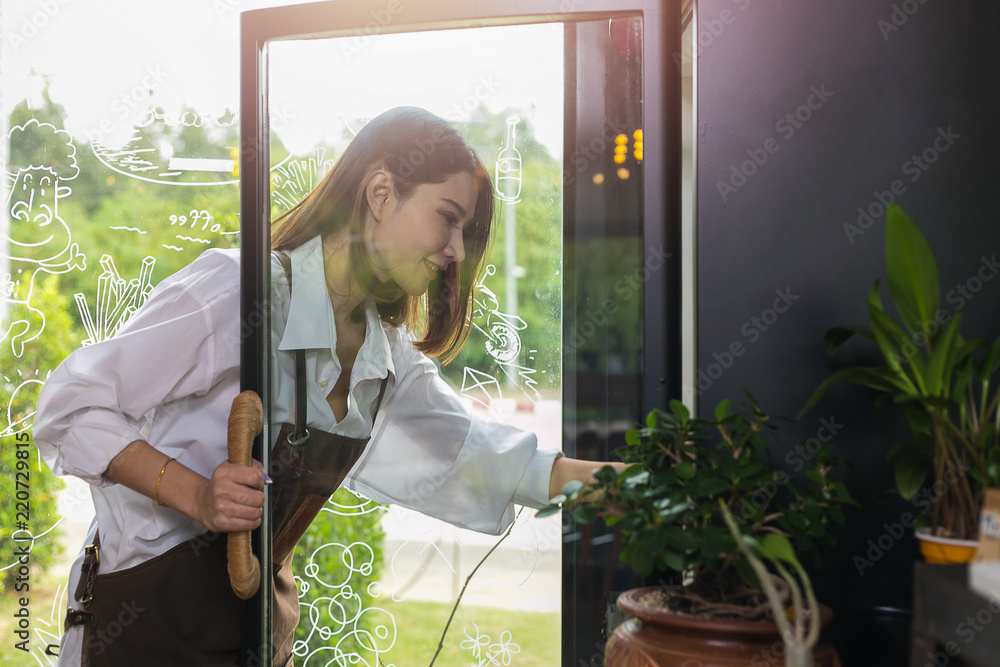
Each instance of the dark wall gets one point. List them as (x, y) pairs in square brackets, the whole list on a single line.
[(887, 80)]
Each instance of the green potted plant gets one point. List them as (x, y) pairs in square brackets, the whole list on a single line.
[(941, 381), (685, 476)]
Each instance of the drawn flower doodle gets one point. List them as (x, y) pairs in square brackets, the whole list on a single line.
[(477, 643), (506, 648)]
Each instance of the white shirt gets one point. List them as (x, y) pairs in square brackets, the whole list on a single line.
[(169, 377)]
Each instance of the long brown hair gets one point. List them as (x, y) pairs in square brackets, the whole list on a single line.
[(416, 147)]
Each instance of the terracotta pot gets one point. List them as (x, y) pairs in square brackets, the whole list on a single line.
[(945, 550), (660, 639)]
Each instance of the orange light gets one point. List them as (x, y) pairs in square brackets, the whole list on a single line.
[(598, 179), (621, 139), (619, 158), (637, 135), (623, 173)]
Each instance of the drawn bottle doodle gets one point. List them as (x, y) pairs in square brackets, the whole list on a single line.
[(508, 169)]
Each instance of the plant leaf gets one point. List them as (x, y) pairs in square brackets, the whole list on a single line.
[(685, 470), (680, 410), (835, 337), (548, 510), (991, 362), (911, 471), (674, 560), (722, 409), (778, 547), (891, 339), (913, 272), (709, 486), (680, 539), (881, 379), (942, 357)]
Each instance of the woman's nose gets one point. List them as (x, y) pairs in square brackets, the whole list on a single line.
[(457, 245)]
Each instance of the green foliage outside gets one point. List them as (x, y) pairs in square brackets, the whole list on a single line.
[(128, 220), (336, 564), (21, 382)]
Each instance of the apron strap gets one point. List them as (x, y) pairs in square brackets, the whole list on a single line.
[(301, 433)]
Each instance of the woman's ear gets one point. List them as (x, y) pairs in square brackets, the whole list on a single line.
[(378, 192)]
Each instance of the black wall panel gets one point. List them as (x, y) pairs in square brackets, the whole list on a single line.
[(810, 115)]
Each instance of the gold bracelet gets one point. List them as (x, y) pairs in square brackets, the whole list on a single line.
[(156, 489)]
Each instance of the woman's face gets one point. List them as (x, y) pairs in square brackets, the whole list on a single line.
[(411, 241)]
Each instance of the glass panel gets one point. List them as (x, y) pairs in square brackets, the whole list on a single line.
[(132, 173), (118, 152), (607, 271), (380, 581)]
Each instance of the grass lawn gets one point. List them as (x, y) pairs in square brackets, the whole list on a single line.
[(524, 639), (521, 639), (44, 628)]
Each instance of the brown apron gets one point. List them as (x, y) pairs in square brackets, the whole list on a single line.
[(178, 608)]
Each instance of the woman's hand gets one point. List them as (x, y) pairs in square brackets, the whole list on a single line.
[(232, 500), (565, 469)]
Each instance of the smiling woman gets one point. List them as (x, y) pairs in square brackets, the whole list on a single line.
[(424, 231), (378, 305), (352, 262), (384, 218)]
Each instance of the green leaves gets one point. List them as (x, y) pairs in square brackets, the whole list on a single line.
[(679, 410), (943, 383), (913, 272), (666, 505), (778, 547), (911, 471)]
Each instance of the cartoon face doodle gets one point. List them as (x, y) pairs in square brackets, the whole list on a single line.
[(37, 233), (38, 240)]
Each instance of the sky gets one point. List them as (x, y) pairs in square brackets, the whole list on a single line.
[(107, 61)]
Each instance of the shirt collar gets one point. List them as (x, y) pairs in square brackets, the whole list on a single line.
[(311, 324)]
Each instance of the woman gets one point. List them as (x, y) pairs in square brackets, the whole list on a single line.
[(391, 241)]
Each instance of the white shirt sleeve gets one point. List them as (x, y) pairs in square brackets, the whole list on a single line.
[(430, 454), (99, 399)]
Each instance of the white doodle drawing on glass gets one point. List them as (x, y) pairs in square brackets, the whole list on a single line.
[(201, 224), (155, 160), (481, 387), (38, 239), (503, 344), (351, 629), (22, 422), (418, 558), (116, 300), (496, 653), (294, 178), (508, 166), (358, 505)]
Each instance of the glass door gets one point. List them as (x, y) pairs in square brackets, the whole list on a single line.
[(377, 583), (576, 327)]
